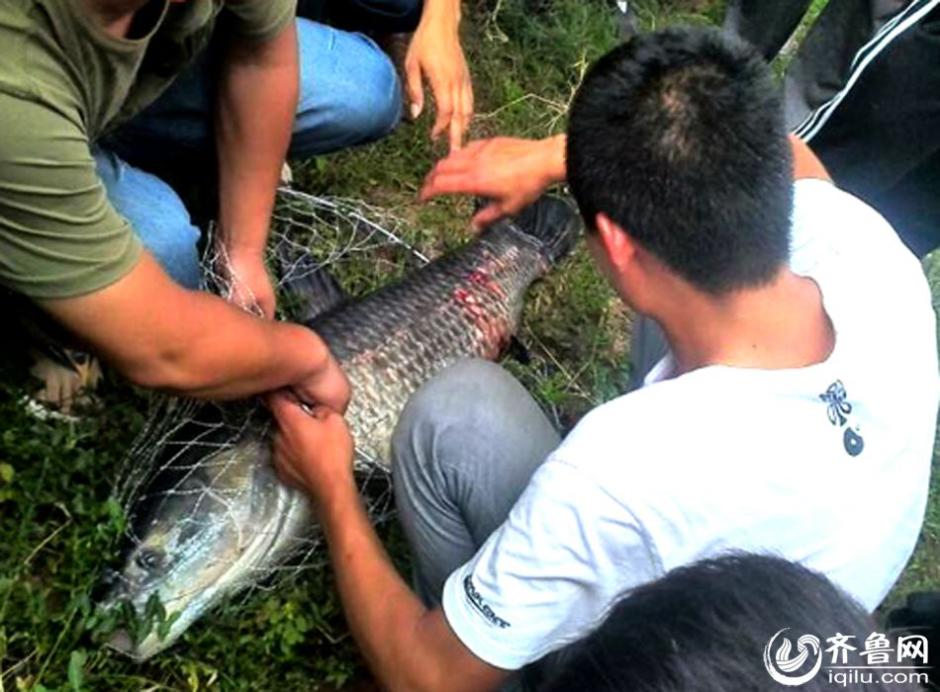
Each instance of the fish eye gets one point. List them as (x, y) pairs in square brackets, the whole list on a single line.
[(148, 560)]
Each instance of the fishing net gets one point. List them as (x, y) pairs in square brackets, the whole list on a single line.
[(187, 453), (362, 246)]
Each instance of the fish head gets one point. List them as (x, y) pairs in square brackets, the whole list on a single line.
[(198, 531)]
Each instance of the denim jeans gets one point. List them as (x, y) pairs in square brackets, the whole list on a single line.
[(349, 95)]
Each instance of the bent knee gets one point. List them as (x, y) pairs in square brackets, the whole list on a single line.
[(471, 391), (351, 95), (371, 108), (175, 247), (375, 109), (157, 215), (466, 404)]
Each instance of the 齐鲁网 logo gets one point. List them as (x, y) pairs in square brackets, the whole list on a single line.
[(788, 668), (848, 659)]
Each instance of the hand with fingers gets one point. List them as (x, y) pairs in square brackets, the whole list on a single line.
[(328, 386), (510, 172), (435, 55), (313, 448)]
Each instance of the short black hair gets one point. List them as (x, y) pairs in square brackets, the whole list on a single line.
[(705, 627), (679, 137)]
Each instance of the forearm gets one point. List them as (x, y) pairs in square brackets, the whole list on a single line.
[(257, 101), (553, 159), (163, 336), (407, 646), (224, 352), (376, 600)]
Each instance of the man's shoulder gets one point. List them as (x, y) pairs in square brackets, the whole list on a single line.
[(16, 30), (34, 127), (860, 263), (831, 224)]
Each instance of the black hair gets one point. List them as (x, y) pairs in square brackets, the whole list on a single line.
[(678, 136), (705, 627)]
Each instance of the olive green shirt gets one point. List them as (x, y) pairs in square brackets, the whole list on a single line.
[(63, 83)]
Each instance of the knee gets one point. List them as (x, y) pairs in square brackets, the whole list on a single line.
[(174, 246), (459, 410), (351, 95), (371, 108), (169, 235), (157, 215), (380, 113)]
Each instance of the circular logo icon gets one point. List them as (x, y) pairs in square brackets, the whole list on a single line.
[(785, 668)]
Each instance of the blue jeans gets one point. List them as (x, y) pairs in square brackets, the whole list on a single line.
[(349, 95)]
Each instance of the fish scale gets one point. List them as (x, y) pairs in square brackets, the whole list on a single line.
[(423, 328), (463, 305)]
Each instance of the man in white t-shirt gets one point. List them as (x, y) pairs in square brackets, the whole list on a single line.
[(794, 414)]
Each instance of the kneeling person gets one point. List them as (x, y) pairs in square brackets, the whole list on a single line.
[(784, 420)]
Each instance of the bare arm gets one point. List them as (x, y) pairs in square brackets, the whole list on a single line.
[(255, 115), (161, 335), (805, 163), (408, 647), (515, 172)]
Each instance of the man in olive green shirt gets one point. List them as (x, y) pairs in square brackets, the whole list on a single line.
[(69, 71), (107, 248)]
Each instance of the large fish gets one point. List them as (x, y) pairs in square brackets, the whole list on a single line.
[(214, 519)]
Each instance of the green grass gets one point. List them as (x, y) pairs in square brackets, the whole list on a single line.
[(58, 528)]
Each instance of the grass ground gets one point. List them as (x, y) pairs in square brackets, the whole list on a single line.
[(58, 527)]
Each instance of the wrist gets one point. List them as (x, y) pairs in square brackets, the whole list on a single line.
[(238, 244), (335, 498), (444, 14), (553, 159), (302, 354)]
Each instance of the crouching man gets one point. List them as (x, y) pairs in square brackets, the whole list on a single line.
[(108, 249), (794, 413)]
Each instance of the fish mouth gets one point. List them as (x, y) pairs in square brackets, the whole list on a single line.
[(121, 641), (186, 606)]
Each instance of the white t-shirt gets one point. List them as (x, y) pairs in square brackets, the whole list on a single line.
[(826, 465)]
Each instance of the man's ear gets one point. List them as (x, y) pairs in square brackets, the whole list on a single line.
[(616, 243)]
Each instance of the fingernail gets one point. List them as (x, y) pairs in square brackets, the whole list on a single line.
[(415, 111)]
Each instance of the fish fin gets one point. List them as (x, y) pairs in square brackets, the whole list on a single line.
[(310, 290), (551, 220)]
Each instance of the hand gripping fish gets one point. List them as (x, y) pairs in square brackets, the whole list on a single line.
[(228, 521)]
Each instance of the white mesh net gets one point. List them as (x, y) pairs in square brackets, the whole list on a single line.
[(362, 246)]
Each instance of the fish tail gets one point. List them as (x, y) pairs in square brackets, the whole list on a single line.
[(551, 221)]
